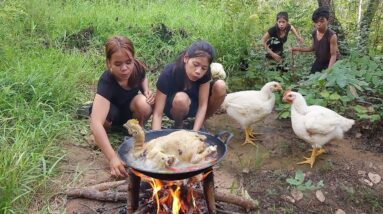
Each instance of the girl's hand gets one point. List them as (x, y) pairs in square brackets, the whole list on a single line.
[(117, 167), (276, 57), (301, 40), (149, 97)]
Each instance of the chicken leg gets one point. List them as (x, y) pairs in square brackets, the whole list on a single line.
[(249, 136), (311, 159)]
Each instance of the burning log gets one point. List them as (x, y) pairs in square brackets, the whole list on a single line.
[(123, 191)]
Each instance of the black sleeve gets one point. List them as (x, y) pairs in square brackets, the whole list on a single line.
[(104, 88), (164, 81)]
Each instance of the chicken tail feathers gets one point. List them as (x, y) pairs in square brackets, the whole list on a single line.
[(348, 123)]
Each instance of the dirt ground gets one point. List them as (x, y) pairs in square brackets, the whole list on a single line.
[(261, 171)]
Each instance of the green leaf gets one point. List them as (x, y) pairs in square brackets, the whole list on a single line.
[(320, 184), (334, 96), (285, 114), (292, 181), (360, 109), (325, 94), (299, 176), (374, 117)]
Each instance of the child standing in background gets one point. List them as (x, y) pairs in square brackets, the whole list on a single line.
[(276, 36), (324, 43)]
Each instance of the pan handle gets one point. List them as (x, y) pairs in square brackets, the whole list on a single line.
[(226, 135)]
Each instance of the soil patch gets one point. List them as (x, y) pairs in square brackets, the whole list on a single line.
[(260, 171)]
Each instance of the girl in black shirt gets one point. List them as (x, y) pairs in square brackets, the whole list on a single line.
[(276, 36), (184, 88), (117, 98)]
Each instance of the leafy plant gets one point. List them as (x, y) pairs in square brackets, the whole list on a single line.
[(367, 113), (298, 182)]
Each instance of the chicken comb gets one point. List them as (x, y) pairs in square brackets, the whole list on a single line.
[(286, 92)]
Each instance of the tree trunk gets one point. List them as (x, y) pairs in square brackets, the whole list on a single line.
[(360, 11), (365, 23), (336, 26)]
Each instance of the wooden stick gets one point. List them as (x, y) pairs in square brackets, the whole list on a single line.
[(145, 208), (233, 199), (97, 195), (223, 197), (107, 185), (226, 212), (122, 196)]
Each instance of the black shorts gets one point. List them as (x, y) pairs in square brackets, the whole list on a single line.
[(193, 108), (318, 67), (117, 116)]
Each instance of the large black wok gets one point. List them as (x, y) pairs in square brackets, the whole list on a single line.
[(128, 142)]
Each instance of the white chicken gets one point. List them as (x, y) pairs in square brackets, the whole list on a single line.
[(249, 107), (217, 71), (315, 124)]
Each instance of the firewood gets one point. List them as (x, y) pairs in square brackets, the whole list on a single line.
[(107, 185), (121, 196), (94, 194), (233, 199), (221, 211)]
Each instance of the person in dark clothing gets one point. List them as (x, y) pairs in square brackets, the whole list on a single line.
[(276, 36), (184, 88), (118, 99), (325, 42)]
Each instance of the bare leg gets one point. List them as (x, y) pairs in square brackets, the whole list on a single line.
[(217, 97), (180, 108), (141, 109)]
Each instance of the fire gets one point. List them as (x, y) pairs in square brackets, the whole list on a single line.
[(176, 200), (173, 196)]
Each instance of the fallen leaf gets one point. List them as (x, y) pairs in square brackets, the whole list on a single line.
[(297, 195), (288, 198), (375, 178), (320, 196), (366, 181), (340, 211), (246, 170), (362, 173), (358, 135)]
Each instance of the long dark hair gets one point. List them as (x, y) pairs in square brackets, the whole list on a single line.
[(116, 43), (283, 15), (197, 49)]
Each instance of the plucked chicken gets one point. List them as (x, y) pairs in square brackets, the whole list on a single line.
[(166, 151)]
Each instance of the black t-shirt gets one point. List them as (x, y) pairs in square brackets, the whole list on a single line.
[(166, 83), (275, 42), (109, 88), (322, 47)]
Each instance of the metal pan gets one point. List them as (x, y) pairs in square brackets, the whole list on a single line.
[(128, 142)]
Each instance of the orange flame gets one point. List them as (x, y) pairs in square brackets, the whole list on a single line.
[(157, 186), (176, 200), (165, 195)]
